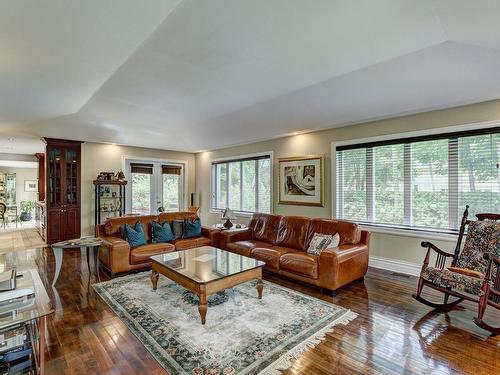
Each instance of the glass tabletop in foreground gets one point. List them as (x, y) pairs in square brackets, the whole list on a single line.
[(207, 263)]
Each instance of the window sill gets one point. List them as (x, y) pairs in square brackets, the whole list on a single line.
[(422, 234), (238, 214)]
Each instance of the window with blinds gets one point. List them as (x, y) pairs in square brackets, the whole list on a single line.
[(242, 184), (419, 183)]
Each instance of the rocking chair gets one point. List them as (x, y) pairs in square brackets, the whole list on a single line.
[(474, 273)]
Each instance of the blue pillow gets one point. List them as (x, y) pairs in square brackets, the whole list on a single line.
[(192, 228), (135, 235), (161, 232)]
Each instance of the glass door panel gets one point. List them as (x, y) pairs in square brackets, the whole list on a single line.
[(172, 192), (54, 170), (71, 197), (141, 193)]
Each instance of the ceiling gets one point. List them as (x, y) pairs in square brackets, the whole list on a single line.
[(195, 75)]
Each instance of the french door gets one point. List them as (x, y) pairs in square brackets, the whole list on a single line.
[(155, 186)]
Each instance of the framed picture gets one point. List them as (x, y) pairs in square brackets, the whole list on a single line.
[(301, 180), (31, 185)]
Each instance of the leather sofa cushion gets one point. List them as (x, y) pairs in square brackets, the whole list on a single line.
[(189, 243), (245, 247), (141, 254), (264, 227), (113, 226), (300, 263), (270, 255), (349, 232), (292, 232)]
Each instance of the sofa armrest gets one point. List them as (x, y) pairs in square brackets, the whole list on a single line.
[(343, 264), (115, 253), (212, 234), (234, 236)]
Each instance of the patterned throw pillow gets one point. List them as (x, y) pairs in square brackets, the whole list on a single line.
[(135, 235), (192, 228), (321, 241), (178, 228), (161, 232)]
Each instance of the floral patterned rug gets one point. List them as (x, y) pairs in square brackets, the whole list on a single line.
[(242, 334)]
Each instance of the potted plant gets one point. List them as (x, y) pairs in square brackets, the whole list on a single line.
[(27, 208)]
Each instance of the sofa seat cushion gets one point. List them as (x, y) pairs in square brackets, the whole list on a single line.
[(300, 263), (244, 247), (141, 254), (189, 243), (270, 255)]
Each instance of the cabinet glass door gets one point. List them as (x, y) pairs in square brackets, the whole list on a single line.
[(71, 175), (54, 178)]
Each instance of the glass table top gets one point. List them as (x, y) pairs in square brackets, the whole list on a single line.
[(206, 263)]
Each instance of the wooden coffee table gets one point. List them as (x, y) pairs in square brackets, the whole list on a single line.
[(207, 270)]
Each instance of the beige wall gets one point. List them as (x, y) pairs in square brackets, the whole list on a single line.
[(98, 158), (383, 245), (23, 174)]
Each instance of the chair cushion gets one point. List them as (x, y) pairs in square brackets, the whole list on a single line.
[(482, 236), (189, 243), (447, 279), (292, 232), (300, 263), (264, 227), (141, 254), (270, 256), (244, 247)]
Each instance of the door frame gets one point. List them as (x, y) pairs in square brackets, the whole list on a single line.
[(128, 191)]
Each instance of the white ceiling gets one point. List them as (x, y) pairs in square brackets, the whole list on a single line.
[(192, 75)]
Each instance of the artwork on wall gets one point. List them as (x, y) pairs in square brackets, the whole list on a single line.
[(31, 185), (301, 181)]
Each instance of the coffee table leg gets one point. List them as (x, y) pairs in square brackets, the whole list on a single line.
[(202, 306), (260, 287), (154, 279)]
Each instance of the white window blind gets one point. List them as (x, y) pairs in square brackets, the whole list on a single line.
[(419, 183), (242, 184)]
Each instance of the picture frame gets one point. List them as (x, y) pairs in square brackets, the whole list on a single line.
[(31, 186), (301, 180)]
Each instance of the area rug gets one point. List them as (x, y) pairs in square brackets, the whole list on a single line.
[(242, 334)]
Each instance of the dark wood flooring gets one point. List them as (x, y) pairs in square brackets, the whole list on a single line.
[(392, 335)]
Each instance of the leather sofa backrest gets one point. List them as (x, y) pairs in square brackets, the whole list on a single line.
[(113, 226), (171, 216), (264, 227), (349, 232), (292, 232)]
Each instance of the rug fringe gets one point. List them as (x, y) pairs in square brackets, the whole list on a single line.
[(285, 362)]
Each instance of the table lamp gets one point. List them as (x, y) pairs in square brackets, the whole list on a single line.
[(229, 215)]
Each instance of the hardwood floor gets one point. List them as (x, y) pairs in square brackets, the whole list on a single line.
[(393, 334)]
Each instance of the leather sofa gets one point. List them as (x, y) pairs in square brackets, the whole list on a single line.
[(282, 242), (116, 255)]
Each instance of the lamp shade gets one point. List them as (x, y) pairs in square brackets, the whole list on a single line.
[(228, 214)]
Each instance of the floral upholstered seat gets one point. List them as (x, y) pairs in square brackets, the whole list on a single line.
[(483, 236), (453, 280)]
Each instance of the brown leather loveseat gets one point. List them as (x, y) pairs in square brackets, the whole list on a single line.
[(282, 242), (115, 253)]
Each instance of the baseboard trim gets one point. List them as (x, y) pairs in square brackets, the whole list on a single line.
[(394, 265)]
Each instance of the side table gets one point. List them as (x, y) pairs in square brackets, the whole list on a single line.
[(234, 227), (81, 243)]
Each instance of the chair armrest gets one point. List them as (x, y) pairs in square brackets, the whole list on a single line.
[(344, 252), (430, 245), (212, 234), (111, 242), (116, 253), (234, 236)]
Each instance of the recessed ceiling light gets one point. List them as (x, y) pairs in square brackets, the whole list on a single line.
[(10, 139)]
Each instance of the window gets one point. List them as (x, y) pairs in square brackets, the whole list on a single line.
[(420, 182), (242, 184), (141, 186)]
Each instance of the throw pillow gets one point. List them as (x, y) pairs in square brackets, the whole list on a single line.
[(335, 242), (319, 243), (135, 235), (178, 228), (192, 228), (161, 232)]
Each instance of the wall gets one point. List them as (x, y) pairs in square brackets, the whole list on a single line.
[(98, 158), (22, 174), (397, 247)]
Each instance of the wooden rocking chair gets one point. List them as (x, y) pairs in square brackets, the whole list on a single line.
[(474, 273)]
